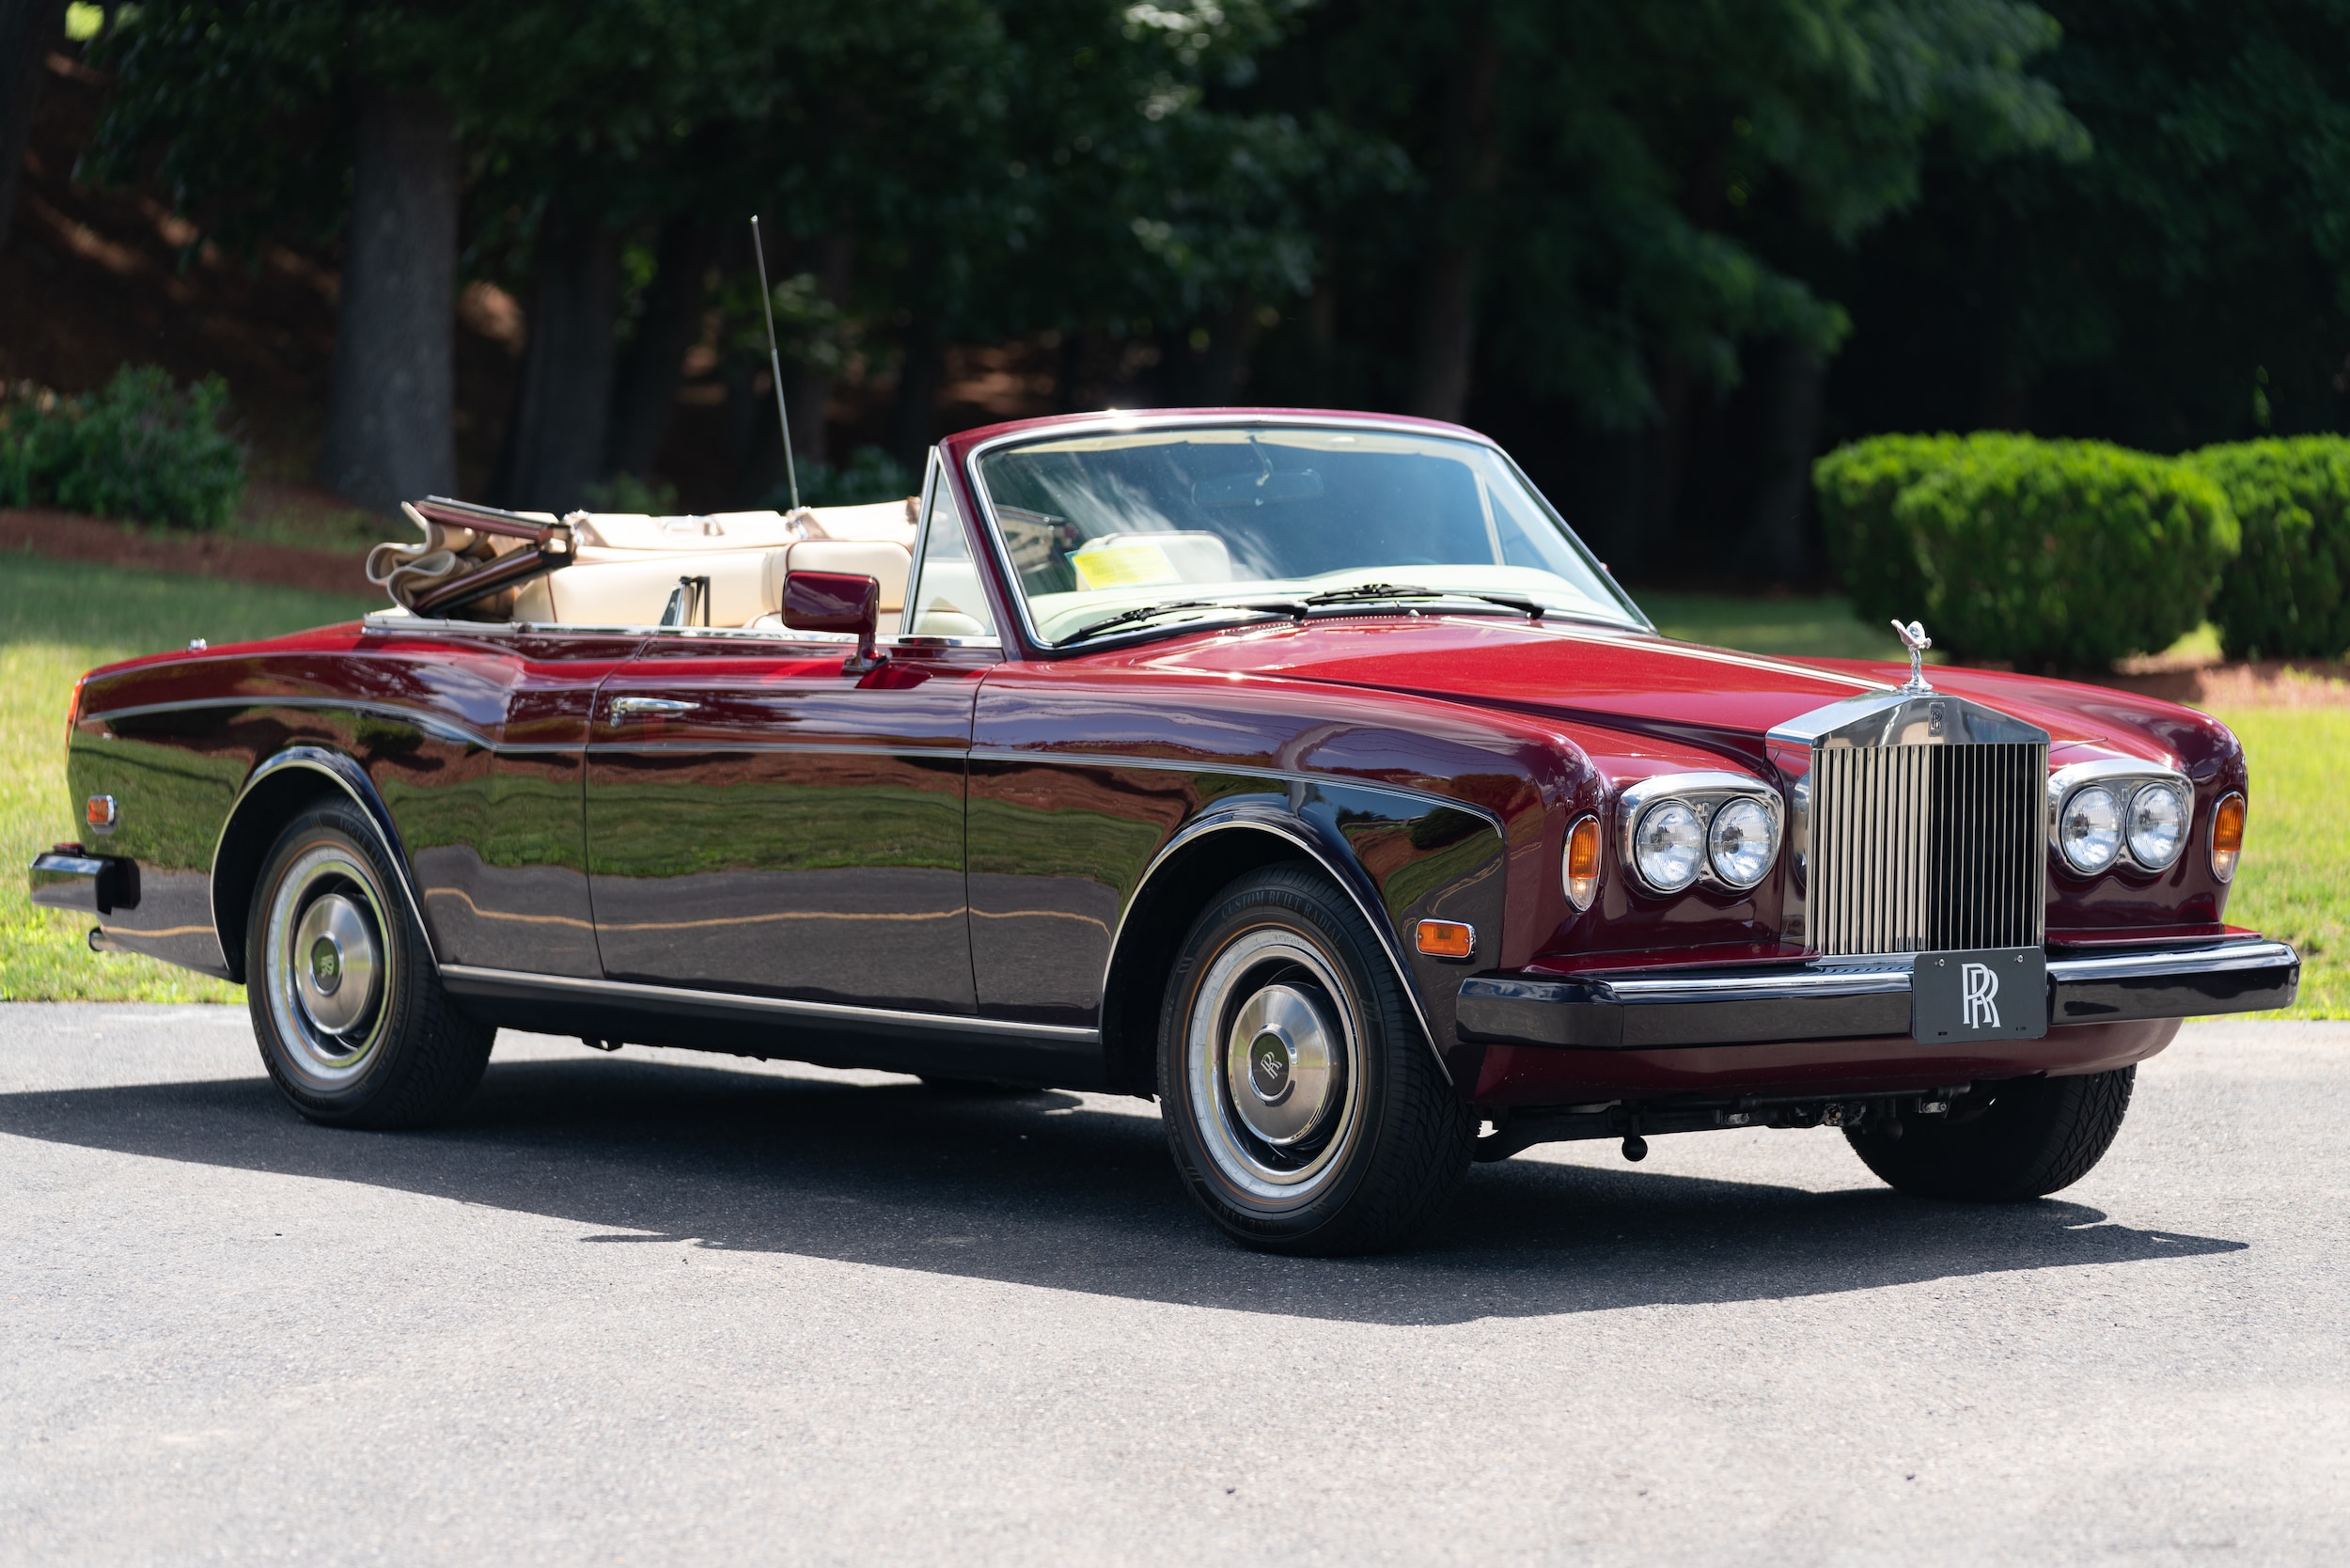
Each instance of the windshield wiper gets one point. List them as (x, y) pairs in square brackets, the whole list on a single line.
[(1533, 609), (1149, 612)]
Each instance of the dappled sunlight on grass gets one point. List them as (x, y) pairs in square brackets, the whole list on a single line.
[(57, 620)]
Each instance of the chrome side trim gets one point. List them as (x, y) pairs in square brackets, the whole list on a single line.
[(770, 1006), (1279, 775), (1199, 828), (436, 724), (348, 777)]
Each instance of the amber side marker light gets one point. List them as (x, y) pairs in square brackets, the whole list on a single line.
[(1579, 872), (1447, 939), (2227, 837), (99, 812)]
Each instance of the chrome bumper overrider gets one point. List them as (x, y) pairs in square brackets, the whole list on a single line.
[(1844, 997), (82, 884)]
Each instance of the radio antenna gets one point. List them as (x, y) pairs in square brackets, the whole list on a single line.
[(774, 365)]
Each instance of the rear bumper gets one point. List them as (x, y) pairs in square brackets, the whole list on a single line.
[(83, 884), (1846, 998)]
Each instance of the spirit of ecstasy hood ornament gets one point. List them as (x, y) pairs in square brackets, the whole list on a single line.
[(1914, 638)]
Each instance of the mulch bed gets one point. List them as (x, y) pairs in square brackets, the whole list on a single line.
[(64, 536), (2235, 683)]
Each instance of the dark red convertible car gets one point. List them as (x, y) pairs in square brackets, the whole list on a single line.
[(1301, 770)]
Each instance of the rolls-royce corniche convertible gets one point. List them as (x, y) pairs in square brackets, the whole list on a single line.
[(1303, 771)]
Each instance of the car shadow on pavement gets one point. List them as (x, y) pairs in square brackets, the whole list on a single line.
[(1044, 1189)]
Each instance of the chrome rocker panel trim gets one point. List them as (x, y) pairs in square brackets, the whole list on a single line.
[(467, 980), (1844, 998)]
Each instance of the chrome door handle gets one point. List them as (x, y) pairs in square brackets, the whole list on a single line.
[(650, 707)]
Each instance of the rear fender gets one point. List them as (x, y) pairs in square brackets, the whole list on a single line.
[(271, 793)]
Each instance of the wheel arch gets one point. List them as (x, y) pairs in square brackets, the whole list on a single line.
[(1205, 855), (282, 785)]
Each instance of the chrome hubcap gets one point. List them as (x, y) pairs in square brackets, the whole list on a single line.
[(326, 966), (335, 980), (1269, 1058), (1279, 1060)]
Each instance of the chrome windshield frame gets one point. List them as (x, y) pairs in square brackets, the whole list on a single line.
[(1144, 420)]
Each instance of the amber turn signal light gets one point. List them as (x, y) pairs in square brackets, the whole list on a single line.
[(1581, 867), (1447, 939), (99, 812), (2227, 837)]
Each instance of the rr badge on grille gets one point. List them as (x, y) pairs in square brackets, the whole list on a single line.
[(1986, 993)]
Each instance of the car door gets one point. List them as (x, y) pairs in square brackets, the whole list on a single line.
[(492, 830), (760, 820)]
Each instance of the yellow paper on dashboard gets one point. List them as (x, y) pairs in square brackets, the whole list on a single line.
[(1116, 563)]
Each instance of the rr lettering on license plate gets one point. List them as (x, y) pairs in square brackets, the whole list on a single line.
[(1989, 994)]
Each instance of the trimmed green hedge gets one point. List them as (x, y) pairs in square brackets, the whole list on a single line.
[(2048, 554), (141, 448), (2284, 595)]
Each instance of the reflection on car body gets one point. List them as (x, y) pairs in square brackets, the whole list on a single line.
[(1301, 770)]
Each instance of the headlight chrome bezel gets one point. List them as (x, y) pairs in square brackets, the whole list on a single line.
[(1704, 795), (2125, 781)]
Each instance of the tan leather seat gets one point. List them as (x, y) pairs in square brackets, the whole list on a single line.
[(608, 587)]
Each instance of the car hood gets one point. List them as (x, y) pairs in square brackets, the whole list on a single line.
[(1651, 684)]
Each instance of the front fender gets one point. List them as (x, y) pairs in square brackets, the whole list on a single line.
[(1401, 856)]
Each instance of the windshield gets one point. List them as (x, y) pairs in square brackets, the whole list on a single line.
[(1226, 520)]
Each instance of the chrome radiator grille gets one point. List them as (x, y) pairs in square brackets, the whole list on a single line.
[(1927, 848)]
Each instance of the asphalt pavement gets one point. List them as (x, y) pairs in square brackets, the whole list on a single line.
[(664, 1308)]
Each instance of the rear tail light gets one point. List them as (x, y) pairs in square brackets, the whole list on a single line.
[(2227, 837), (1579, 871)]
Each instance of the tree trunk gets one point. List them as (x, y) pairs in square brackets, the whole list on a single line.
[(1468, 169), (921, 368), (1668, 457), (1778, 544), (28, 28), (645, 389), (807, 385), (554, 442), (390, 416)]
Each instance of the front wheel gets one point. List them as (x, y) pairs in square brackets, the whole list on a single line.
[(2028, 1138), (349, 1014), (1304, 1107)]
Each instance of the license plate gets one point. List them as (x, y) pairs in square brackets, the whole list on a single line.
[(1989, 994)]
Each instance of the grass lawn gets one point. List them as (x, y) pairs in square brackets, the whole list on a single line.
[(59, 620)]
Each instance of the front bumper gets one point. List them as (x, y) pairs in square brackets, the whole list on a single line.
[(1845, 999)]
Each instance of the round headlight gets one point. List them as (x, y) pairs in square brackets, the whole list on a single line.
[(1741, 842), (2089, 831), (1667, 845), (2157, 825)]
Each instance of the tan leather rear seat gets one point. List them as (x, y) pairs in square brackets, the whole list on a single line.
[(621, 587)]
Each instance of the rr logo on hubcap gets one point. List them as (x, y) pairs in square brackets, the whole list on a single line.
[(1269, 1066)]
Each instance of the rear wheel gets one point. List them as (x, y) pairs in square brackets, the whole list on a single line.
[(1303, 1105), (2032, 1137), (352, 1020)]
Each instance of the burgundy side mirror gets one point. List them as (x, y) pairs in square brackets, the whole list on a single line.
[(834, 601)]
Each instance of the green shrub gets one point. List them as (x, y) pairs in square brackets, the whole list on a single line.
[(2284, 595), (141, 448), (870, 475), (2044, 554), (626, 493)]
